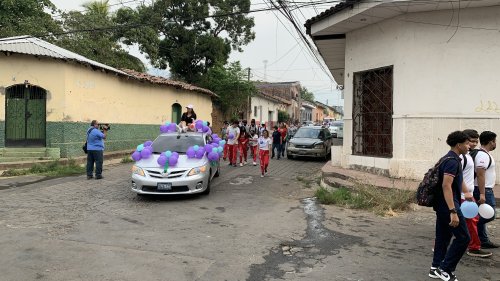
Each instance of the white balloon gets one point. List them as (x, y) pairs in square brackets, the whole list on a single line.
[(486, 211)]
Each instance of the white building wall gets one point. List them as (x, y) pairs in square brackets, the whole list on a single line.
[(264, 106), (442, 82)]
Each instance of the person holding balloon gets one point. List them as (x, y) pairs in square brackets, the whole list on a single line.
[(95, 149), (189, 116), (233, 133), (449, 218), (469, 207), (484, 183)]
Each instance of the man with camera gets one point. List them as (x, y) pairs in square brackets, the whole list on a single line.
[(96, 135)]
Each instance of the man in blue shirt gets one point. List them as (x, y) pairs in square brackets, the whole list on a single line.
[(449, 219), (95, 150)]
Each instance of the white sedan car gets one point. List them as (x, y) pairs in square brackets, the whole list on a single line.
[(188, 176)]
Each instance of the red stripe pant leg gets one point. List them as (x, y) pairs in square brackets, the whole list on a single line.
[(226, 150), (243, 151), (264, 160), (233, 151), (254, 152)]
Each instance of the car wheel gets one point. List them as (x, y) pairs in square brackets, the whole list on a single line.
[(207, 191), (289, 156)]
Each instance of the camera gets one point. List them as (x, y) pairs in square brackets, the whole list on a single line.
[(103, 127)]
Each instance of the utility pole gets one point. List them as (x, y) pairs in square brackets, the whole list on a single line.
[(249, 102), (300, 106), (265, 70)]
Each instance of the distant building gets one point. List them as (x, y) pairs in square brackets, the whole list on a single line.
[(286, 91), (265, 108)]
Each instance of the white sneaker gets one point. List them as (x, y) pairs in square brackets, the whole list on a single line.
[(262, 175), (241, 164), (255, 164), (244, 162)]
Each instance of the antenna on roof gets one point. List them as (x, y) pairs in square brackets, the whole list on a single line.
[(265, 70)]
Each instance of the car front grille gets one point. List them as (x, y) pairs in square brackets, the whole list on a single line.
[(150, 188), (304, 146), (171, 174)]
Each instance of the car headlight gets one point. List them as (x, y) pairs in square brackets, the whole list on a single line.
[(319, 145), (137, 171), (197, 171), (291, 144)]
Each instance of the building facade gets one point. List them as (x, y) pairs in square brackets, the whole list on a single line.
[(51, 95), (410, 77)]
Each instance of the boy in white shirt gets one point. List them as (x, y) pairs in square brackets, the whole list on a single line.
[(233, 133)]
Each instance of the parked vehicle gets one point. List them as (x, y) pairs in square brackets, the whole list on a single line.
[(312, 141), (189, 176), (337, 129)]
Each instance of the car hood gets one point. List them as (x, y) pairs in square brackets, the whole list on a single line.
[(183, 162), (305, 141)]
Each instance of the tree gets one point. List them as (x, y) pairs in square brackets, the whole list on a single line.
[(100, 43), (283, 116), (306, 95), (28, 17), (231, 85), (181, 34)]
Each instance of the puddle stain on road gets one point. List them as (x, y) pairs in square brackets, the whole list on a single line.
[(301, 256)]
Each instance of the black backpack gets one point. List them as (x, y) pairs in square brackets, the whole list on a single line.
[(473, 154), (429, 187)]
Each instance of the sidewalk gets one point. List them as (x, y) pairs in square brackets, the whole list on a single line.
[(338, 176)]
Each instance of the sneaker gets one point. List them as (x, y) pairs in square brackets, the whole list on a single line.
[(90, 177), (245, 162), (479, 253), (234, 165), (230, 164), (489, 245), (262, 175), (98, 177), (445, 276), (255, 164), (241, 164), (433, 274)]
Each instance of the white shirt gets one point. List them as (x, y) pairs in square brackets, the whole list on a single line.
[(468, 173), (235, 132), (482, 161), (254, 140), (265, 143)]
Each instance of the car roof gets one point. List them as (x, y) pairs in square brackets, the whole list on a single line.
[(185, 134)]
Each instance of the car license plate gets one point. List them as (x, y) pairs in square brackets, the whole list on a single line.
[(165, 186), (302, 151)]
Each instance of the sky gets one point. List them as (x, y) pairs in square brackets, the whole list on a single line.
[(276, 54)]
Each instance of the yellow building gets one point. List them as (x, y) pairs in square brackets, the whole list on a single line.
[(51, 95)]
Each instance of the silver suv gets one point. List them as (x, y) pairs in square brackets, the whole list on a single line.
[(189, 176)]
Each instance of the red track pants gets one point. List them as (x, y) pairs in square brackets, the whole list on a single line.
[(264, 160)]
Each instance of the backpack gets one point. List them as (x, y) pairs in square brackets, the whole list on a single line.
[(429, 187), (473, 154)]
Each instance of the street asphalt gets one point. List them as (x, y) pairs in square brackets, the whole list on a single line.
[(247, 228)]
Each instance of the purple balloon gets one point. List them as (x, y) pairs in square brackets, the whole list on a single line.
[(215, 136), (213, 156), (175, 155), (146, 153), (208, 147), (215, 144), (199, 126), (164, 128), (172, 127), (230, 136), (162, 160), (136, 156), (200, 153), (148, 143), (191, 153), (172, 161), (205, 129)]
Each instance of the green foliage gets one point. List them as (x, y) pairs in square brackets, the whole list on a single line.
[(306, 95), (283, 116), (27, 17), (126, 159), (53, 169), (231, 84), (179, 35), (101, 45)]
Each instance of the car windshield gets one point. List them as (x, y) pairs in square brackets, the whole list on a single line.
[(176, 142), (307, 133)]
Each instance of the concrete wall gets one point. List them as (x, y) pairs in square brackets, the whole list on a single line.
[(76, 94), (442, 82)]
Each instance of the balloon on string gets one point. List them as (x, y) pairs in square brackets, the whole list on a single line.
[(215, 136), (486, 211), (469, 209), (164, 128), (140, 147), (148, 143), (136, 156), (172, 127), (220, 149), (215, 144), (191, 153), (168, 153), (172, 161), (199, 126), (162, 160), (167, 123), (208, 147), (215, 150), (230, 136), (217, 141), (213, 156), (196, 148), (222, 142), (200, 153), (175, 155), (205, 128)]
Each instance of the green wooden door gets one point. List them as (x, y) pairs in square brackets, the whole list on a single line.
[(176, 113), (25, 116)]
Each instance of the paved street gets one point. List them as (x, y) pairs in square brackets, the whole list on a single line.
[(248, 228)]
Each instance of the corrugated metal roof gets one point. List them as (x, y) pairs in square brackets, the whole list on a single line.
[(33, 46)]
